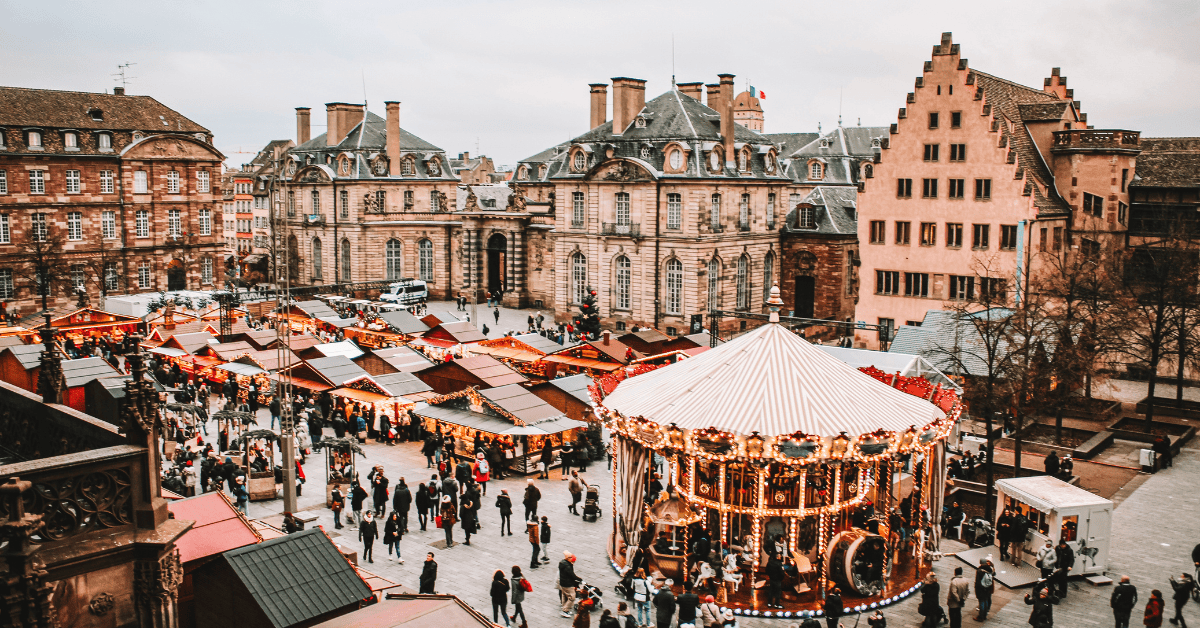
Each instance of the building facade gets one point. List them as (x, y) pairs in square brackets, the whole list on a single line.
[(129, 186)]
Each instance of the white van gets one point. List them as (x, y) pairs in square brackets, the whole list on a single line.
[(406, 292)]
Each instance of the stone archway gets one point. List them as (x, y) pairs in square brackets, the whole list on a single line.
[(176, 275), (497, 254)]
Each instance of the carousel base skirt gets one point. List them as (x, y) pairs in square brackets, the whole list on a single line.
[(802, 598)]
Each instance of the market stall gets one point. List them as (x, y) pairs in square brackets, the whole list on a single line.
[(392, 359), (77, 373), (390, 396), (1058, 510), (340, 467), (89, 322), (374, 334), (509, 415), (481, 371), (785, 450), (592, 357), (258, 459)]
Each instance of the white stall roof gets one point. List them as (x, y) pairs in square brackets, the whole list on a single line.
[(906, 364), (1047, 493)]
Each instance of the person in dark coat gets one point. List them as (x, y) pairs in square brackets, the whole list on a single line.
[(393, 531), (379, 490), (424, 503), (530, 501), (1124, 598), (833, 607), (688, 603), (450, 489), (531, 528), (1042, 601), (664, 606), (429, 575), (499, 595), (1004, 526), (337, 502), (984, 587), (1162, 451), (449, 516), (467, 512), (546, 459), (1183, 590), (1051, 464), (504, 503), (518, 596), (368, 531), (401, 502), (1065, 560), (429, 449), (567, 581), (358, 495), (1155, 607), (774, 581), (930, 607)]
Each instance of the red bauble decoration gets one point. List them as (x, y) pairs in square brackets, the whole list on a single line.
[(593, 293)]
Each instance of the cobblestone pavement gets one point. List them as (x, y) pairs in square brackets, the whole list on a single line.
[(1154, 530)]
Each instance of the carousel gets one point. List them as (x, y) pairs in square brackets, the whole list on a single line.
[(768, 454)]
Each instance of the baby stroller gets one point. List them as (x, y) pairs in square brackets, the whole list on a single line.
[(591, 504), (588, 597)]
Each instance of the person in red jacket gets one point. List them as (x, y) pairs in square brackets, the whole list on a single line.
[(1154, 610), (482, 471)]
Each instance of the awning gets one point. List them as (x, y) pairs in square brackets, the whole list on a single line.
[(437, 342), (361, 395), (303, 383), (240, 369), (170, 352), (586, 363)]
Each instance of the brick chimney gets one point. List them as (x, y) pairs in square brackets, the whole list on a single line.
[(303, 125), (599, 104), (607, 335), (118, 91), (713, 97), (726, 110), (333, 124), (393, 136), (695, 90), (629, 97)]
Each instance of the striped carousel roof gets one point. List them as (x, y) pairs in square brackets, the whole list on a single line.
[(773, 382)]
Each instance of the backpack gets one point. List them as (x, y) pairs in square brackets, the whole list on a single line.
[(526, 586), (483, 467), (985, 580)]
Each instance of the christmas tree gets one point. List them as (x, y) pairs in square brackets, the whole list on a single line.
[(589, 319)]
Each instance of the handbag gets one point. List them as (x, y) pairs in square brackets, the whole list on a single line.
[(526, 586), (438, 521)]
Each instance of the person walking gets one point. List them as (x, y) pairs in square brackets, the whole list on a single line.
[(379, 490), (929, 608), (641, 596), (518, 588), (368, 531), (664, 606), (1064, 560), (504, 503), (393, 531), (467, 509), (985, 585), (774, 572), (481, 471), (499, 593), (358, 495), (401, 502), (496, 313), (575, 486), (530, 501), (429, 575), (337, 502), (956, 597), (240, 495), (1153, 615), (567, 581), (544, 537), (1122, 601), (1046, 559), (1183, 589), (1042, 601), (833, 608), (566, 455), (450, 489), (531, 529), (545, 460), (424, 502), (429, 449), (449, 515)]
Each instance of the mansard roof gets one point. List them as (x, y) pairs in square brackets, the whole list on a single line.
[(371, 135), (27, 107), (366, 142), (836, 211), (841, 150)]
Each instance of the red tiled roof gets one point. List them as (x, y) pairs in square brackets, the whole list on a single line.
[(218, 528)]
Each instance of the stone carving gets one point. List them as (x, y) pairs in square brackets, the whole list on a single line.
[(472, 203), (623, 171), (379, 166), (24, 592), (167, 148), (101, 604), (312, 176), (51, 382), (156, 589), (441, 201), (79, 504), (516, 200)]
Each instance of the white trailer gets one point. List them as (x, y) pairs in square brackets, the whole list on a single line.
[(1057, 510)]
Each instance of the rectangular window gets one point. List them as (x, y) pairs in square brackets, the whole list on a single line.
[(744, 213), (958, 188), (979, 237), (954, 232), (74, 225), (1058, 239), (1124, 178), (622, 201), (1122, 212), (206, 270), (344, 201), (202, 182), (771, 211), (5, 232), (316, 203), (37, 181), (983, 189), (916, 284), (887, 281), (108, 224), (409, 199), (173, 226), (433, 201), (111, 278), (1093, 205), (139, 182), (928, 234), (674, 210), (37, 227), (961, 288), (1008, 237), (3, 182), (77, 277), (106, 181), (173, 182), (714, 217), (903, 231), (904, 188), (205, 222), (955, 119), (994, 289), (887, 329), (933, 120), (6, 283), (929, 188), (931, 152), (144, 275), (142, 219), (958, 152), (73, 182), (878, 231)]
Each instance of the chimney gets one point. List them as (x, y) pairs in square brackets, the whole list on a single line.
[(714, 97), (393, 136), (333, 124), (629, 97), (118, 91), (695, 90), (464, 156), (727, 116), (303, 125), (607, 335), (599, 104)]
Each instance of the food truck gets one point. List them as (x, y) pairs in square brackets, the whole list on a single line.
[(1057, 510)]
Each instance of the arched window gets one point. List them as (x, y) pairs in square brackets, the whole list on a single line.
[(768, 274), (714, 283), (580, 161), (345, 261), (744, 161), (578, 277), (868, 171), (623, 276), (393, 257), (743, 282), (522, 173), (815, 171), (425, 260), (674, 287), (316, 259)]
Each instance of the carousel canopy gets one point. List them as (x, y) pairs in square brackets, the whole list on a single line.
[(771, 381)]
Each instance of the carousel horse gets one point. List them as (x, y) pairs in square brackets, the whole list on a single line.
[(731, 571), (704, 575)]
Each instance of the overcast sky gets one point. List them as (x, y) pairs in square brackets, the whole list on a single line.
[(510, 78)]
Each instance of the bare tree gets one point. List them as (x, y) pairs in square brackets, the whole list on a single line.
[(41, 262), (104, 271)]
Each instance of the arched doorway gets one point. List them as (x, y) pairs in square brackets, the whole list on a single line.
[(176, 277), (497, 251), (293, 259), (806, 294)]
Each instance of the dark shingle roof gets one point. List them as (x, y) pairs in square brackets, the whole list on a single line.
[(1172, 162), (401, 383), (22, 106), (403, 322), (338, 369), (519, 402), (81, 371), (576, 386), (374, 135), (836, 211), (297, 577), (841, 151), (406, 359)]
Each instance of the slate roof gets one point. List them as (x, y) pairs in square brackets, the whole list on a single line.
[(490, 370), (519, 402), (1170, 162), (402, 383), (539, 342), (30, 356), (297, 577), (948, 343), (366, 139), (496, 193), (836, 212), (51, 108), (459, 331), (576, 386), (314, 308), (790, 142), (403, 322), (841, 151), (338, 369), (83, 370), (406, 359)]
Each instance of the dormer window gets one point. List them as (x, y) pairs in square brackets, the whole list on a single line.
[(714, 160), (824, 142), (769, 162), (406, 167), (806, 217), (434, 168), (104, 141), (676, 160), (71, 140), (816, 170), (96, 114), (523, 173), (34, 139), (640, 122), (645, 153), (579, 161), (744, 161), (875, 143), (542, 171), (868, 171), (138, 136)]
